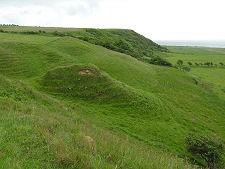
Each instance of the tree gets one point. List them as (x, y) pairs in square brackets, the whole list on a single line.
[(159, 61), (207, 63), (190, 64), (123, 45), (196, 64), (180, 62), (221, 63), (186, 68), (205, 148)]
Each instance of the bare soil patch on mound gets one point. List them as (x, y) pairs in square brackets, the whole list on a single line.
[(86, 71)]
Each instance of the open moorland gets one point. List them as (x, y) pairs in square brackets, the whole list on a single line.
[(92, 98)]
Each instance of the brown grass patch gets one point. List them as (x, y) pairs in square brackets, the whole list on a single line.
[(90, 142), (86, 71)]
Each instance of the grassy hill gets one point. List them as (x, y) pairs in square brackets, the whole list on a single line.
[(120, 40), (57, 90), (38, 131)]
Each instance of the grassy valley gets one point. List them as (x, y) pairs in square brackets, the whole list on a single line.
[(67, 100)]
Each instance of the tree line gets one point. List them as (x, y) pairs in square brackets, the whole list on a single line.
[(8, 25), (180, 62)]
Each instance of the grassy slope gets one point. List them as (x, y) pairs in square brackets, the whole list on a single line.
[(120, 40), (38, 131), (174, 103)]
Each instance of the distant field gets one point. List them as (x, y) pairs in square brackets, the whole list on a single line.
[(214, 76), (37, 28), (210, 74), (196, 54)]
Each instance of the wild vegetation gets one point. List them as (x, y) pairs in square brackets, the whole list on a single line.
[(123, 41), (67, 103), (205, 148)]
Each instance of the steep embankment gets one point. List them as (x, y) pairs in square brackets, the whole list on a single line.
[(153, 104)]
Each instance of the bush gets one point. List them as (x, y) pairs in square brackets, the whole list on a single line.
[(31, 32), (205, 148), (180, 62), (190, 63), (186, 68), (56, 33), (221, 63), (159, 61), (122, 44), (207, 63), (41, 31), (124, 41)]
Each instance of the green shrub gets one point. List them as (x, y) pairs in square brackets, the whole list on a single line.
[(221, 63), (123, 45), (190, 63), (180, 62), (56, 33), (41, 31), (207, 63), (159, 61), (124, 41), (196, 64), (186, 68), (205, 148), (31, 32)]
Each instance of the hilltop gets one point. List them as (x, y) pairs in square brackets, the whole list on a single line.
[(57, 89), (120, 40)]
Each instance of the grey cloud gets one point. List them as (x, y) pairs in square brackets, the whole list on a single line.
[(45, 2), (13, 11), (72, 7), (81, 9)]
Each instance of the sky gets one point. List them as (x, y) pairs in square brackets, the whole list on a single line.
[(155, 19)]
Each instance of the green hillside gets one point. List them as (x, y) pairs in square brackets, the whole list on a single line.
[(56, 90), (38, 131), (120, 40)]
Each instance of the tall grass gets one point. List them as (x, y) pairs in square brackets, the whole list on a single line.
[(41, 132)]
